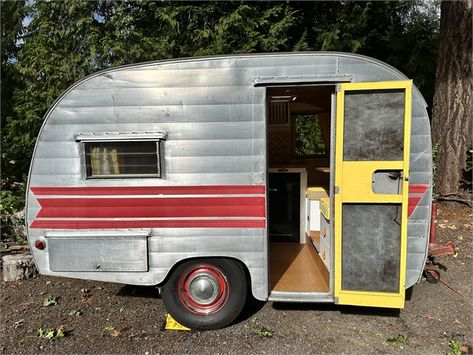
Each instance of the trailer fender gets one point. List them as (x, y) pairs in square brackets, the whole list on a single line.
[(257, 291)]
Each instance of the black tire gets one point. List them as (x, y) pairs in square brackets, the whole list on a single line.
[(206, 293)]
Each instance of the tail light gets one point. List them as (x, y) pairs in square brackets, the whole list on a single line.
[(40, 244)]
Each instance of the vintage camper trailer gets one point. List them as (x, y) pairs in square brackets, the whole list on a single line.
[(292, 177)]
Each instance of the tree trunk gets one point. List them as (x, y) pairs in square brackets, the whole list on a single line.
[(453, 98)]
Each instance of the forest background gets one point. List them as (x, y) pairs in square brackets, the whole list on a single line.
[(48, 45)]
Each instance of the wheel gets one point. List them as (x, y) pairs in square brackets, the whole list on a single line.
[(206, 294)]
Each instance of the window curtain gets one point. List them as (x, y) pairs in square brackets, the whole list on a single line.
[(104, 161)]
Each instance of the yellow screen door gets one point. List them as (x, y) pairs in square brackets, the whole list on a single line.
[(371, 179)]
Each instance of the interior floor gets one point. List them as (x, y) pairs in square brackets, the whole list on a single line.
[(297, 267)]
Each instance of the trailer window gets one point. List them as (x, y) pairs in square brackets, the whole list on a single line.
[(308, 137), (122, 159)]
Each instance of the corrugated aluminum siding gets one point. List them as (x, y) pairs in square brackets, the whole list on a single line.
[(215, 123)]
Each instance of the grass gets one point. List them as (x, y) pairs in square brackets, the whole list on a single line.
[(454, 346), (399, 339)]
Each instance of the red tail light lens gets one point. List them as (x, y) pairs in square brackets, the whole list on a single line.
[(40, 244)]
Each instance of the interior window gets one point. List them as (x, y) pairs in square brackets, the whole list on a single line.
[(309, 140), (122, 159)]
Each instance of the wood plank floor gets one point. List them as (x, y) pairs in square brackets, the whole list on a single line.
[(297, 268)]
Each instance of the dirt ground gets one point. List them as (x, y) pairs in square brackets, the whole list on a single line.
[(101, 317)]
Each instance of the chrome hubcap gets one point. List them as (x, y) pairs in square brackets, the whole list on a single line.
[(204, 289)]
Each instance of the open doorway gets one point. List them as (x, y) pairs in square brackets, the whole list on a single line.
[(298, 155)]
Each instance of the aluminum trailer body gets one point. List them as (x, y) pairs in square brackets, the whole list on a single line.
[(205, 121)]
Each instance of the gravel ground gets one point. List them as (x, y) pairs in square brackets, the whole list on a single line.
[(108, 318)]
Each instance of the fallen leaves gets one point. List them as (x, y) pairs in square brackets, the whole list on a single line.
[(112, 331), (85, 294), (19, 323), (449, 226)]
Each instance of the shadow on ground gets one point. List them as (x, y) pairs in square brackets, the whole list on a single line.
[(139, 291), (368, 311)]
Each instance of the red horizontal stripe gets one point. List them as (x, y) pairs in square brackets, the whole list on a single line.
[(150, 190), (413, 202), (150, 202), (162, 211), (417, 189), (152, 207), (147, 224)]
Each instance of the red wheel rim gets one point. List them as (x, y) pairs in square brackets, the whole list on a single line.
[(203, 289)]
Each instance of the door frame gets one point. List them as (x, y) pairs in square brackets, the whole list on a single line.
[(370, 298)]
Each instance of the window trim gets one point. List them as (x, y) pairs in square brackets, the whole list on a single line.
[(83, 138)]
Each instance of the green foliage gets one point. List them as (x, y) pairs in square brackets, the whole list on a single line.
[(399, 339), (401, 33), (51, 334), (12, 221), (67, 40), (309, 140), (265, 333), (454, 346), (12, 191), (12, 14), (10, 202)]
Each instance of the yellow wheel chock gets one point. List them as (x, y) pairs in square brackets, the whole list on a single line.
[(172, 324)]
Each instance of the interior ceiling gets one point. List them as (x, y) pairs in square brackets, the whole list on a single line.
[(304, 99)]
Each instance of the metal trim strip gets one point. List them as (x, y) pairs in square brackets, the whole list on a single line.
[(301, 79), (118, 224), (67, 234), (281, 296), (150, 190), (116, 136)]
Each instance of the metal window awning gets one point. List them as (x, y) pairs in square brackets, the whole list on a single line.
[(301, 79), (120, 136)]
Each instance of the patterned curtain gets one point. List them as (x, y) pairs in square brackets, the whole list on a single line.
[(104, 161)]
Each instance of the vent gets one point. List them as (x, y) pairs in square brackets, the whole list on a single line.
[(279, 113)]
